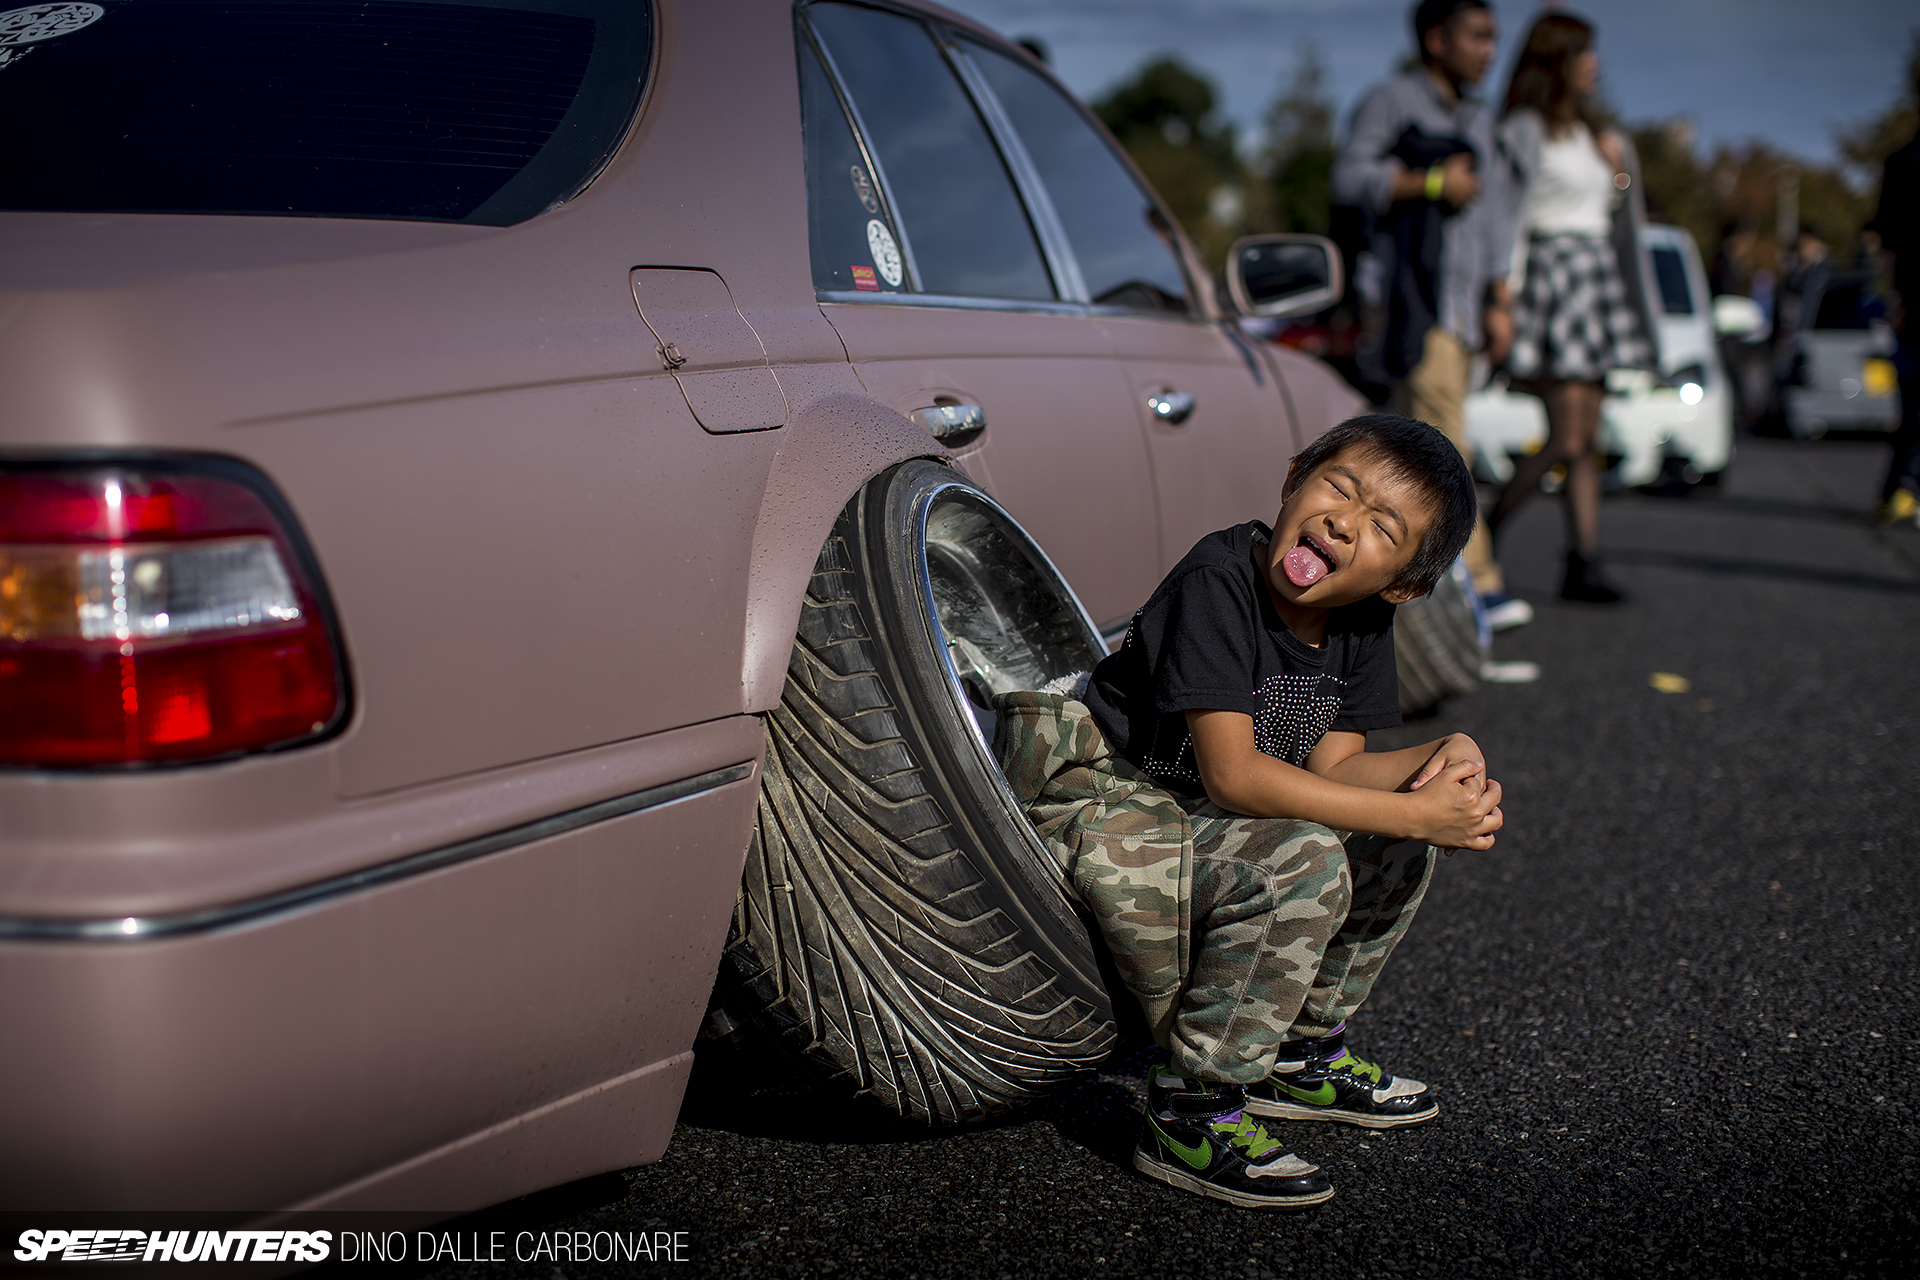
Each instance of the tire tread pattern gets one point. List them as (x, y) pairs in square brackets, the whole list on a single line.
[(1436, 646), (863, 934)]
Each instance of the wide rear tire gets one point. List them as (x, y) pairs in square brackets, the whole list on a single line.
[(899, 924)]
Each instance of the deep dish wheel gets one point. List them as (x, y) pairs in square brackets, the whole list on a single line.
[(899, 922), (1439, 642)]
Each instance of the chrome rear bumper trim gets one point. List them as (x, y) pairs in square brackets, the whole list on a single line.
[(308, 896)]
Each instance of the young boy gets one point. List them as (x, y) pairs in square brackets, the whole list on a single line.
[(1209, 795)]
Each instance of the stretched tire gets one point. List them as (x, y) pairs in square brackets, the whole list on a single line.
[(899, 923), (1439, 642)]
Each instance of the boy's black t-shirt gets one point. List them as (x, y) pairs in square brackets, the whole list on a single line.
[(1208, 639)]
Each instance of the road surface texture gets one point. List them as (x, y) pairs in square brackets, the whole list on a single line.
[(1672, 1015)]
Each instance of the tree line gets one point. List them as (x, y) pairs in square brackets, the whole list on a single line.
[(1167, 116)]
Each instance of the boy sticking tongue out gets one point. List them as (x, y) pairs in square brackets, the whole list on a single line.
[(1346, 531), (1209, 794)]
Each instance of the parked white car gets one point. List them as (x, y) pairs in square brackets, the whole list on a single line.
[(1841, 373), (1677, 424)]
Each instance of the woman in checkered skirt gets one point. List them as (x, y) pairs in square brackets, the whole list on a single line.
[(1576, 314)]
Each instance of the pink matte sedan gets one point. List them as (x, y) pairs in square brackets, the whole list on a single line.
[(511, 514)]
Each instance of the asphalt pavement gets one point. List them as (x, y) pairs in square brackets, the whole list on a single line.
[(1672, 1016)]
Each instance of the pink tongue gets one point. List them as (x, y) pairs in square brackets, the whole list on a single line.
[(1304, 567)]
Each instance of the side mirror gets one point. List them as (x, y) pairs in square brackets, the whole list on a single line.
[(1284, 275), (1738, 317)]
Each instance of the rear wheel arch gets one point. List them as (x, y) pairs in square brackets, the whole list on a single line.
[(833, 444)]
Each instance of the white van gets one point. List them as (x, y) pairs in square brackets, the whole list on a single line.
[(1677, 424)]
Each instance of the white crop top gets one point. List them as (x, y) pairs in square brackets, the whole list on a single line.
[(1573, 190)]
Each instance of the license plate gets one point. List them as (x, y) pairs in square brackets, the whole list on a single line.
[(1877, 378)]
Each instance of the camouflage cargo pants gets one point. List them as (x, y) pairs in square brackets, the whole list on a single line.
[(1236, 934)]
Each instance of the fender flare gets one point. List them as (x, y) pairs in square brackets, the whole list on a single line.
[(833, 444)]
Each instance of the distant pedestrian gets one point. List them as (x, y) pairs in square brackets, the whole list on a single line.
[(1806, 273), (1898, 223), (1575, 317), (1419, 158)]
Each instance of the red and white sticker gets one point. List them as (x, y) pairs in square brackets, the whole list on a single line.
[(864, 281)]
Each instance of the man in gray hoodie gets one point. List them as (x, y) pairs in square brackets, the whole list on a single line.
[(1460, 300)]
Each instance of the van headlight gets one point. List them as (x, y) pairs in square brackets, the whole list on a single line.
[(1690, 381)]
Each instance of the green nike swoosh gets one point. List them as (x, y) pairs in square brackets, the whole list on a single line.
[(1324, 1096), (1199, 1157)]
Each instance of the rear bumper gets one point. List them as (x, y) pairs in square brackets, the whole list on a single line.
[(452, 1035), (1810, 410)]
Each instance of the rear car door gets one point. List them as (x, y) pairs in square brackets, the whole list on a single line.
[(1217, 430), (930, 266)]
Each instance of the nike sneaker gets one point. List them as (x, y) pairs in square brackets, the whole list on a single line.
[(1199, 1138), (1319, 1079)]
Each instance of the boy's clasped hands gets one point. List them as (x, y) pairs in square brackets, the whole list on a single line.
[(1458, 805)]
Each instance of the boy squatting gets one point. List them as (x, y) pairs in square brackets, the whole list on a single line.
[(1208, 792)]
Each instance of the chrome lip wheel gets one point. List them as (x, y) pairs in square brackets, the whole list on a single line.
[(997, 610)]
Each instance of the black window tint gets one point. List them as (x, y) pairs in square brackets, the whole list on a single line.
[(1119, 236), (1671, 270), (853, 242), (1842, 307), (965, 224), (483, 113)]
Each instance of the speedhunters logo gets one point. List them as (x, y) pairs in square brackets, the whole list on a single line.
[(128, 1245)]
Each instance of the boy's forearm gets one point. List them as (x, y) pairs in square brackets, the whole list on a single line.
[(1269, 788), (1381, 770)]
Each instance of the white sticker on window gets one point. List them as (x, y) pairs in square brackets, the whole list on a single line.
[(39, 22), (886, 254)]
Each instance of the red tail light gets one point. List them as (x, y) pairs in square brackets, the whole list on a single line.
[(156, 611)]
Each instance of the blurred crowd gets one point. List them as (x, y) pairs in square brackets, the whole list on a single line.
[(1812, 244)]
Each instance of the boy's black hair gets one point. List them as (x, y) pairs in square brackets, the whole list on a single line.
[(1419, 454), (1429, 14)]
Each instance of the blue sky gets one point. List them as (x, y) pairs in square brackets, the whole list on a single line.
[(1786, 71)]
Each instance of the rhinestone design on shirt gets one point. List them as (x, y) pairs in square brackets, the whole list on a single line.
[(1295, 713)]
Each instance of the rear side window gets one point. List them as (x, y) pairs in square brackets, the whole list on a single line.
[(1670, 269), (853, 242), (1120, 238), (965, 226), (482, 112)]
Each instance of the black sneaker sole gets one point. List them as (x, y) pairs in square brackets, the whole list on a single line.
[(1174, 1176), (1301, 1111)]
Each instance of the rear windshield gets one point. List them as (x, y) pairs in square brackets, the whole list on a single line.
[(484, 111), (1847, 304)]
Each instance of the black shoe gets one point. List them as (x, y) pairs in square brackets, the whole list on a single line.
[(1584, 581), (1199, 1139), (1319, 1080)]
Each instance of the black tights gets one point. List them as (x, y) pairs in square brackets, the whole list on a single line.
[(1573, 424)]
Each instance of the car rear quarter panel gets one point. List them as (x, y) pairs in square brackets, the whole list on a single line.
[(554, 588)]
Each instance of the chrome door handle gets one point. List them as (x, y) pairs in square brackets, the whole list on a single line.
[(953, 425), (1171, 406)]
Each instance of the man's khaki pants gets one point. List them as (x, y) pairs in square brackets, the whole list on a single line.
[(1435, 392)]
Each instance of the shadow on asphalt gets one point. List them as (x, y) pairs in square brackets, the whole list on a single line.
[(1101, 1116), (746, 1086)]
